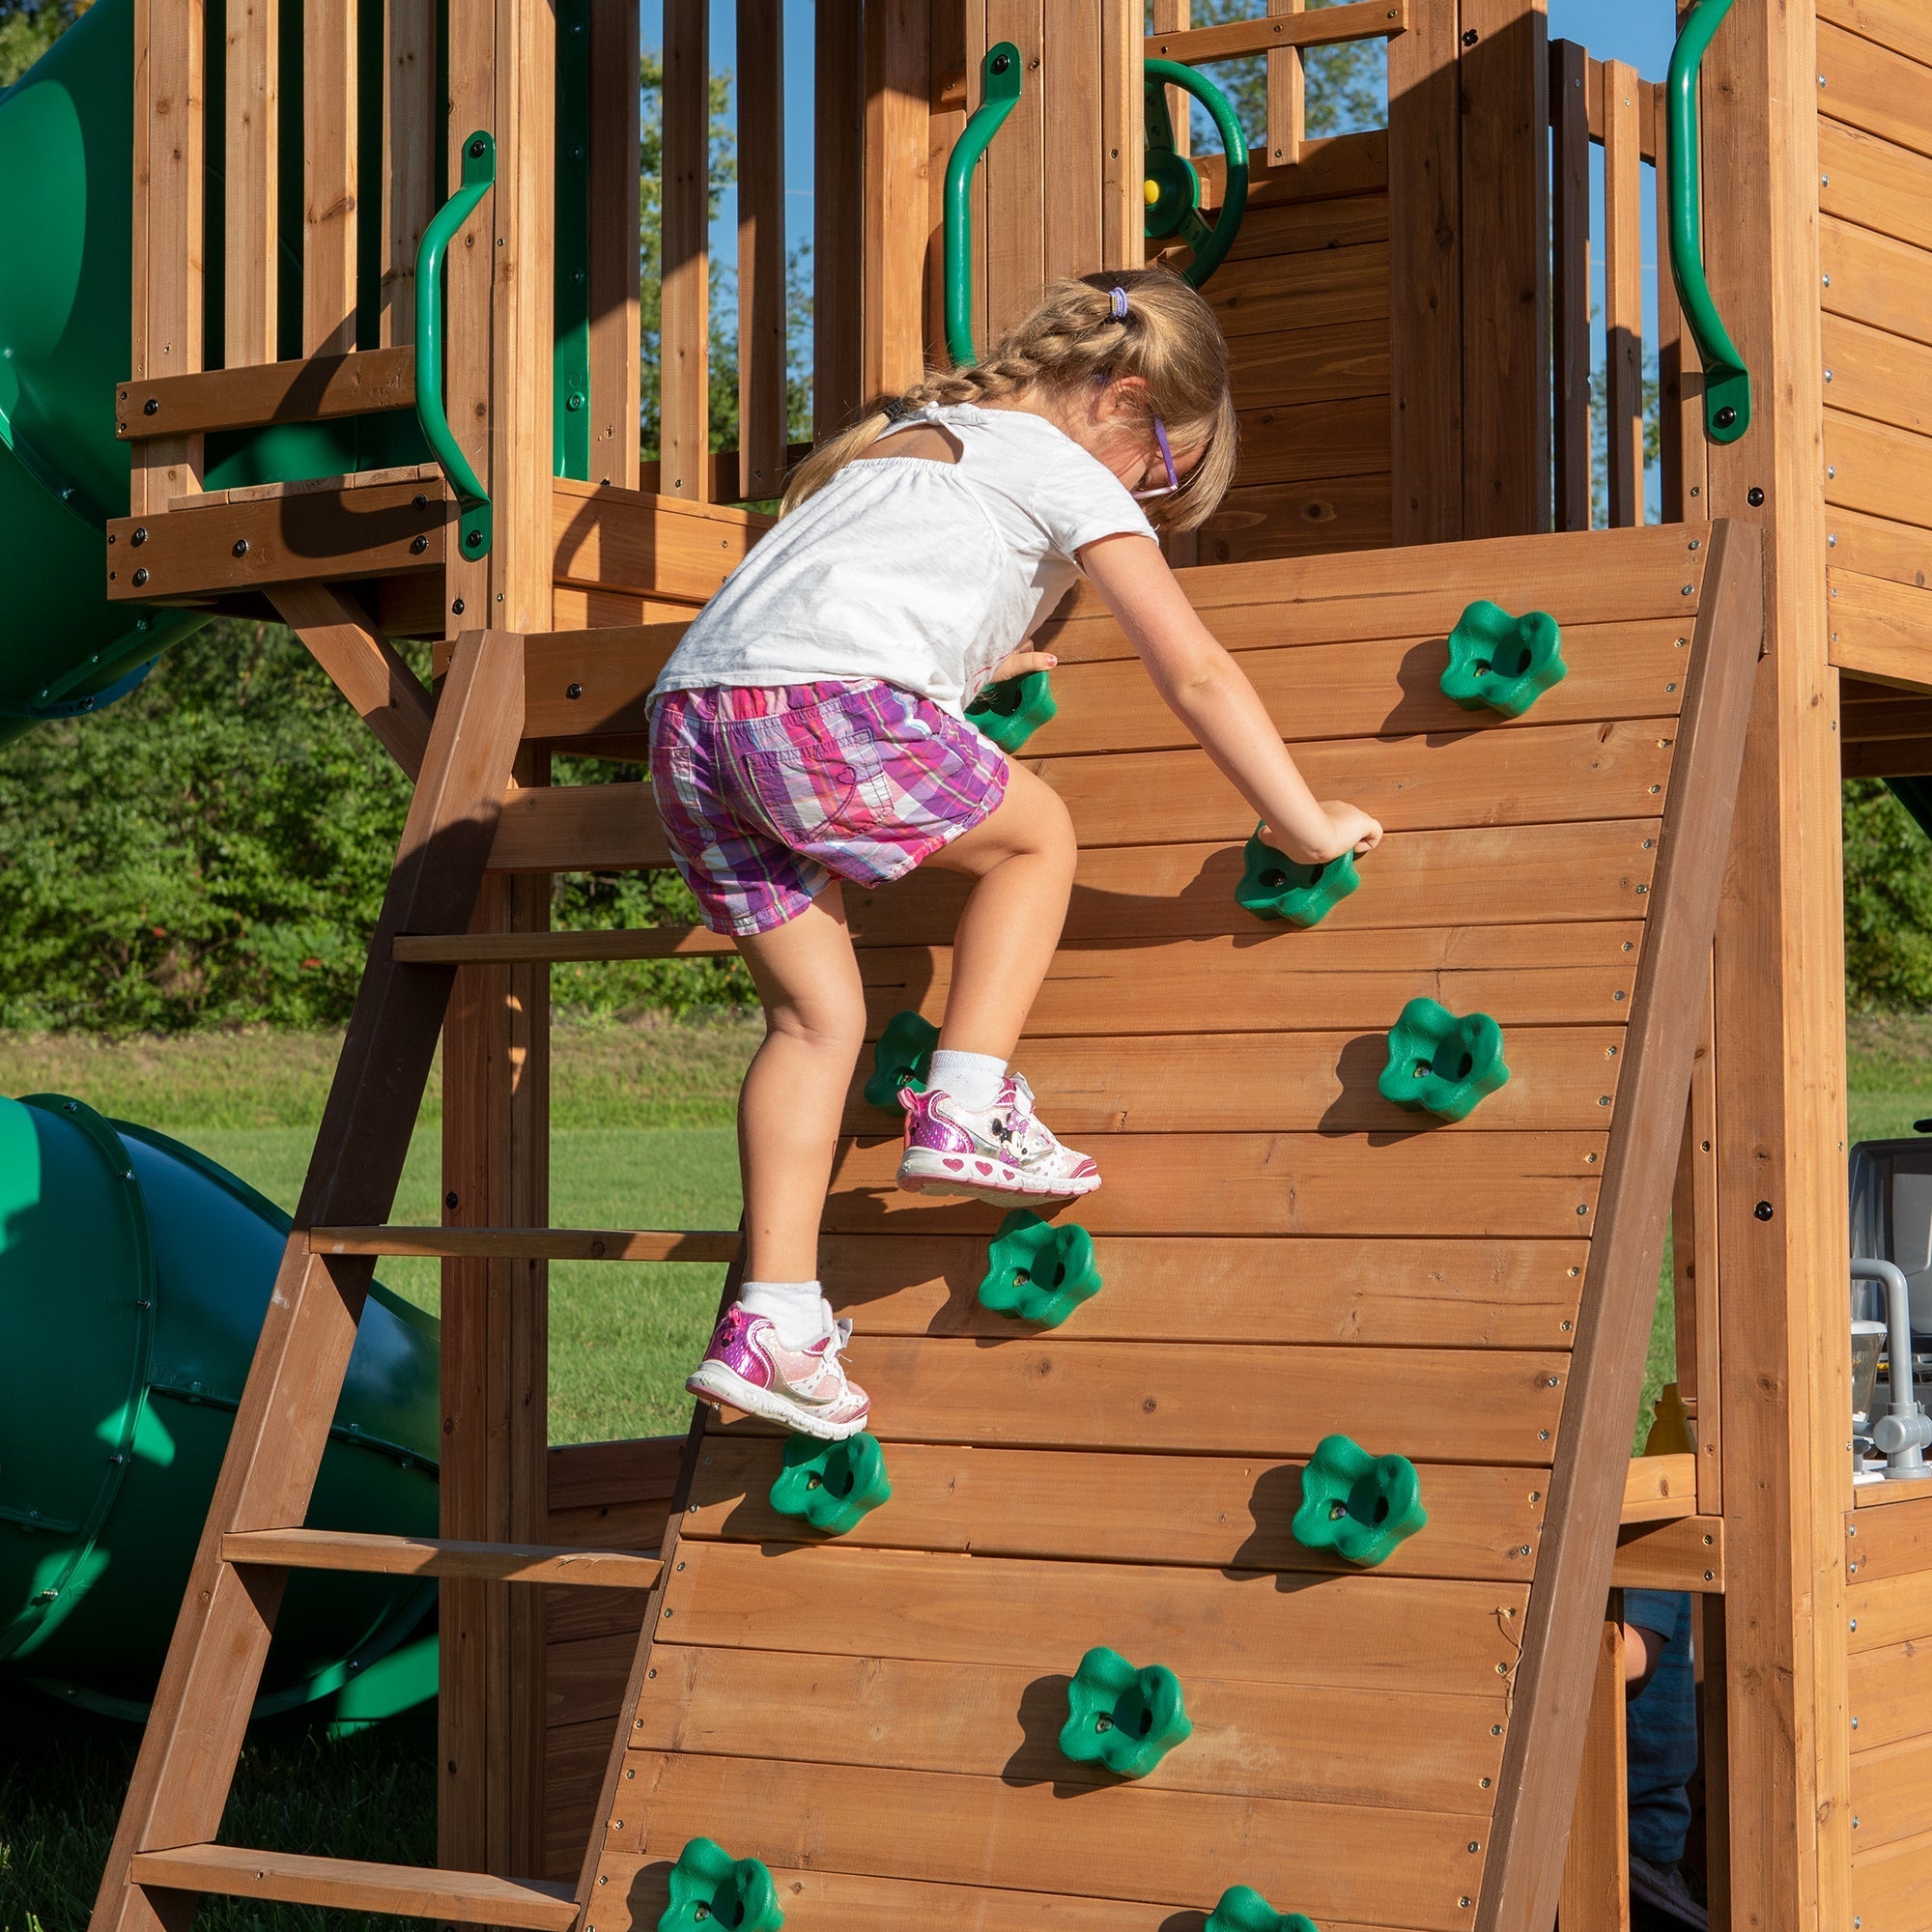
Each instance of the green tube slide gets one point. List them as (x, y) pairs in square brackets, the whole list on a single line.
[(135, 1275)]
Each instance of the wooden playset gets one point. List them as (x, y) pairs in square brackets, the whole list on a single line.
[(1335, 1459)]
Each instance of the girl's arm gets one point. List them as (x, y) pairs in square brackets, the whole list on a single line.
[(1208, 691)]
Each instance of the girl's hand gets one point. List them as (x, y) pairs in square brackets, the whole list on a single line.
[(1355, 829), (1020, 665)]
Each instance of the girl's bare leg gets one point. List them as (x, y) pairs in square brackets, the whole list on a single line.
[(794, 1090), (1022, 856)]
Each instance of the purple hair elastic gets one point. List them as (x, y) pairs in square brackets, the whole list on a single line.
[(1119, 301)]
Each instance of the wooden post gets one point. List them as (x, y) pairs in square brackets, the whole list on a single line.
[(1596, 1870), (683, 371), (1569, 320), (496, 1057), (1424, 185), (249, 193), (896, 212), (837, 211), (1505, 89), (409, 158), (616, 367), (1782, 1231), (1623, 294), (761, 249), (328, 177), (1124, 130), (1287, 98)]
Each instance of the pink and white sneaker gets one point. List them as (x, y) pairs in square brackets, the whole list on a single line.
[(994, 1154), (748, 1368)]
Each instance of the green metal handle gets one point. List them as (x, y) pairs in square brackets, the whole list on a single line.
[(472, 500), (1176, 206), (1727, 389), (999, 93)]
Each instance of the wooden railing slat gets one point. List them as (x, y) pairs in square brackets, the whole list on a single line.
[(251, 147), (615, 354), (683, 354), (409, 158), (1570, 285), (1623, 294), (328, 177), (761, 250), (837, 243)]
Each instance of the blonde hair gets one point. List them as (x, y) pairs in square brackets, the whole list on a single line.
[(1168, 338)]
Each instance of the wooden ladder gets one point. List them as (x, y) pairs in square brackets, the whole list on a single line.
[(164, 1852)]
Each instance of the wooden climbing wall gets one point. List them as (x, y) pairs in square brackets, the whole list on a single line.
[(1284, 1255)]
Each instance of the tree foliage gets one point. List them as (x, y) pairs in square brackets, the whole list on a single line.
[(28, 30), (1887, 902), (1344, 88)]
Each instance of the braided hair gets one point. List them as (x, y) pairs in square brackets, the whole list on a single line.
[(1163, 332)]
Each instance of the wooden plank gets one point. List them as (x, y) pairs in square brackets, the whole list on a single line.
[(1009, 217), (555, 1244), (1537, 1787), (1304, 227), (1702, 1356), (1348, 513), (208, 1685), (652, 546), (1122, 140), (409, 160), (358, 1552), (1883, 1610), (615, 357), (1872, 86), (1880, 630), (1570, 293), (368, 671), (1876, 469), (981, 1830), (1680, 447), (1876, 280), (839, 147), (1657, 1487), (1868, 712), (1288, 1083), (1445, 1294), (345, 1885), (1623, 294), (463, 948), (330, 188), (683, 354), (251, 187), (1891, 23), (312, 389), (1892, 1542), (1338, 164), (1595, 1868), (895, 214), (1332, 26), (1070, 94), (1504, 79), (1871, 374), (1274, 1741), (1222, 1511), (1873, 182), (1492, 1407), (1288, 445), (1876, 546), (1891, 1694), (1286, 97), (1892, 1793), (761, 249), (1888, 1885), (1330, 287), (1682, 1554), (367, 531)]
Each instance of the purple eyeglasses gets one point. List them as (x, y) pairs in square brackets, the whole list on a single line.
[(1173, 482)]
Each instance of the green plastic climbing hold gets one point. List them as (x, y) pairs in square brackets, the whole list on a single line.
[(1274, 885), (1125, 1719), (833, 1486), (1012, 710), (1242, 1909), (1358, 1505), (1039, 1272), (901, 1058), (1440, 1065), (710, 1888), (1506, 663)]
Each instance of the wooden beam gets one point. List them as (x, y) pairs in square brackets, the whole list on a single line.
[(1684, 1553), (895, 222), (659, 942), (363, 665), (1286, 97), (252, 149), (1123, 135), (361, 1554), (530, 1244), (1659, 1488), (1327, 27), (1538, 1782), (1570, 293), (839, 143), (330, 110), (310, 390), (684, 404), (1596, 1870), (761, 252)]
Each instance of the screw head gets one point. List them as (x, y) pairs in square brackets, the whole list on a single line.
[(240, 547), (449, 1199), (574, 691), (1764, 1210), (1726, 417), (1754, 497), (139, 537), (1002, 62), (478, 148), (140, 578), (152, 407), (456, 608), (1469, 37), (418, 545), (472, 540)]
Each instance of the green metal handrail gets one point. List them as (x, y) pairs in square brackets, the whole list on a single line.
[(472, 500), (1727, 386), (999, 95), (1176, 182)]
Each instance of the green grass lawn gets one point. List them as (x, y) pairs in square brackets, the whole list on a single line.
[(641, 1137)]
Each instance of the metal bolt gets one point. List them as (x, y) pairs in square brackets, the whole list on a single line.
[(1543, 1435), (449, 1199), (1830, 543), (419, 502), (140, 578), (1496, 1730), (574, 691), (1831, 470), (575, 400), (457, 608), (418, 545), (240, 547), (139, 537), (1697, 543), (474, 540), (1688, 590), (152, 407), (1484, 1783), (1828, 375), (1474, 1846), (478, 148), (1463, 1903), (1469, 37), (1854, 1723), (1764, 1210), (1828, 281), (1854, 1623)]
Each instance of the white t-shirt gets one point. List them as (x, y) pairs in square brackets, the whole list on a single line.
[(914, 571)]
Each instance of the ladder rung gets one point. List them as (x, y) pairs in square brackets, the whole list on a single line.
[(409, 1891), (432, 1556), (531, 1244), (495, 949)]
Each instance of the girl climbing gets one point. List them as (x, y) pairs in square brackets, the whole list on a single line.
[(810, 728)]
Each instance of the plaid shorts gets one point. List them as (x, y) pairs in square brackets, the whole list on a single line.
[(768, 793)]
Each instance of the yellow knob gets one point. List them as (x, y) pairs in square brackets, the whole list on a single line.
[(1151, 191)]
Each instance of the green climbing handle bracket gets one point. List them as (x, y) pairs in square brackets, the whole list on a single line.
[(1727, 386), (1173, 183), (999, 93), (472, 500)]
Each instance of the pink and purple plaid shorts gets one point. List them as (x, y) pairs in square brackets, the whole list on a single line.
[(768, 793)]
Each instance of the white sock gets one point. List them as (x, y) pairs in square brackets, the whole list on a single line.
[(796, 1309), (972, 1079)]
